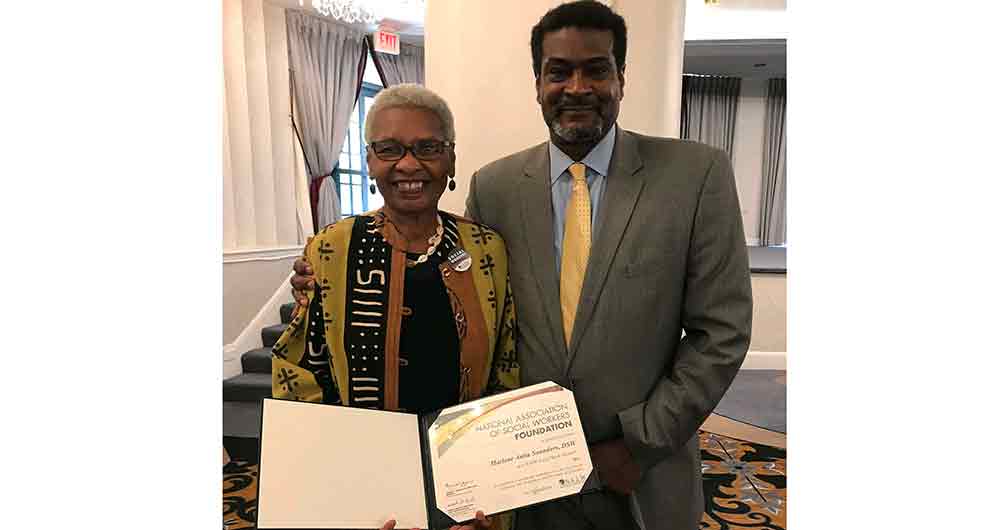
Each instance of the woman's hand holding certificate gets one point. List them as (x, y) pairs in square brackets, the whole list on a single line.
[(481, 522)]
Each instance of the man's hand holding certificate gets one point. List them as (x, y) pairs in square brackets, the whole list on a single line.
[(492, 455)]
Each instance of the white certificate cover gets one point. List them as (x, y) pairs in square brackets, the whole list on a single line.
[(324, 466), (333, 467)]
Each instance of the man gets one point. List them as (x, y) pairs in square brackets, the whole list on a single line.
[(630, 276)]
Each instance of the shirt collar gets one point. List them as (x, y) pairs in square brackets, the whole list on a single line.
[(598, 159)]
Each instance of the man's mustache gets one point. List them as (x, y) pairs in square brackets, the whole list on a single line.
[(576, 103)]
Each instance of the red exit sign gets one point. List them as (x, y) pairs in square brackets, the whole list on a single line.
[(386, 42)]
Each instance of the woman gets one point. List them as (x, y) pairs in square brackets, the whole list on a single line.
[(411, 307)]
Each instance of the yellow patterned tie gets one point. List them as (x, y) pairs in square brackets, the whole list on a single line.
[(575, 248)]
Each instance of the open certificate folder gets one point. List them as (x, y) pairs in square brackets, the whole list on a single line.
[(334, 467)]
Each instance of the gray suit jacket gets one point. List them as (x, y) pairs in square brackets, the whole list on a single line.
[(669, 257)]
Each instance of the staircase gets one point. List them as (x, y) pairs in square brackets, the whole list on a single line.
[(241, 395)]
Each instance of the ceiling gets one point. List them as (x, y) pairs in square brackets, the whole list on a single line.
[(737, 58), (758, 58)]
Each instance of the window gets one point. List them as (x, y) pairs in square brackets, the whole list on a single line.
[(352, 173)]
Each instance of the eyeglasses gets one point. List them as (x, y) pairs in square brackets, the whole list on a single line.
[(391, 150)]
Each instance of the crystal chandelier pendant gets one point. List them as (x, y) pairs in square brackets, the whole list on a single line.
[(363, 11), (350, 11)]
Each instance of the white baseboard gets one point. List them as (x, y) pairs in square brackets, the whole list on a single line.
[(764, 360), (249, 338), (261, 254)]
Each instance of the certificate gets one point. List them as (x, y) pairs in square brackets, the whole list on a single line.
[(508, 451), (333, 467)]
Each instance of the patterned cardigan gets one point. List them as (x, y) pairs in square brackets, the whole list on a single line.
[(359, 266)]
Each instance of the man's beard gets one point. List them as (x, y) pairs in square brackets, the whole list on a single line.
[(578, 134)]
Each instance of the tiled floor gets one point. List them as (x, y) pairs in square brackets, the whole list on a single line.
[(756, 397), (241, 419)]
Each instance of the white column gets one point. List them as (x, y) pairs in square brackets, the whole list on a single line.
[(654, 65), (282, 137), (478, 57), (260, 122), (237, 108), (229, 237)]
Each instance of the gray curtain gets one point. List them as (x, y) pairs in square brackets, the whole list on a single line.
[(772, 229), (407, 67), (327, 61), (708, 110)]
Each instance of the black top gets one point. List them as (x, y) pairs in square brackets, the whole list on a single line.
[(429, 348)]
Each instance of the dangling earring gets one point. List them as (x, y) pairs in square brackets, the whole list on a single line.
[(371, 187), (451, 182)]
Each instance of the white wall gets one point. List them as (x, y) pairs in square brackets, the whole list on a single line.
[(769, 333), (736, 19), (248, 283), (265, 189), (748, 155)]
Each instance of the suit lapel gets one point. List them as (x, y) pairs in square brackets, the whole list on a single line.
[(620, 196), (536, 219)]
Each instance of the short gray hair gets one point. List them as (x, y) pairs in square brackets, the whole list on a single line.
[(411, 96)]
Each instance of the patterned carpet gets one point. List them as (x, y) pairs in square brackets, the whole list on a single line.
[(744, 487), (744, 484)]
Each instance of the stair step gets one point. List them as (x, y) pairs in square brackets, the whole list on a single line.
[(247, 387), (271, 334), (287, 311), (257, 361)]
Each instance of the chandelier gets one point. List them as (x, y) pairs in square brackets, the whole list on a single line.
[(362, 11)]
